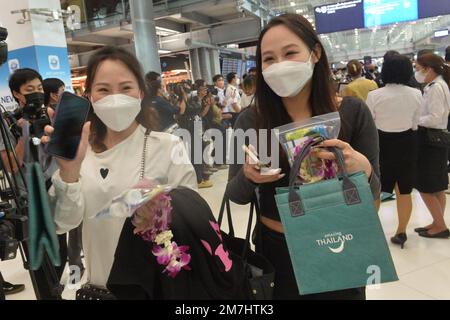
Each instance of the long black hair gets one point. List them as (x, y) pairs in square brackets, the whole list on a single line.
[(271, 112)]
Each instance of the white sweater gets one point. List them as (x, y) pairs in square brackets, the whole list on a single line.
[(79, 202)]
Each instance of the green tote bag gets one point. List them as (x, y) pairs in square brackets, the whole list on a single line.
[(334, 236), (42, 229)]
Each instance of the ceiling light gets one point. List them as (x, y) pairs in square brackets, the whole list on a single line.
[(299, 11), (161, 51), (292, 4)]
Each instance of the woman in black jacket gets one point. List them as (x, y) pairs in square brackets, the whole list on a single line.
[(293, 84)]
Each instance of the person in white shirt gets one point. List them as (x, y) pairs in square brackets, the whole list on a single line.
[(117, 148), (232, 97), (432, 162), (219, 84), (396, 111), (249, 88)]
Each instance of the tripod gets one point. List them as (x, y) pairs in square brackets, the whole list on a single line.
[(45, 280)]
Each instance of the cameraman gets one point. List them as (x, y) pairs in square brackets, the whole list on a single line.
[(26, 86)]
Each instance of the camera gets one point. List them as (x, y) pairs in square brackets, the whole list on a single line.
[(212, 89), (36, 113), (13, 229)]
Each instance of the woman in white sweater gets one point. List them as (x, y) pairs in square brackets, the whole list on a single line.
[(117, 147)]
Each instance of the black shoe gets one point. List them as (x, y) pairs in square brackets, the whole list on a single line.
[(440, 235), (422, 229), (9, 288), (399, 239)]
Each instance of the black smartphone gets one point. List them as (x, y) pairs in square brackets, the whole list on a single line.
[(70, 115)]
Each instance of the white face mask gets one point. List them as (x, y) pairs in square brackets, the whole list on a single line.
[(117, 111), (288, 78), (420, 76), (238, 81)]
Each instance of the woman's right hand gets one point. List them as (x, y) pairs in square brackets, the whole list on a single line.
[(69, 169), (253, 174)]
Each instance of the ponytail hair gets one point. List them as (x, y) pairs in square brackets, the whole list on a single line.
[(354, 68), (437, 64)]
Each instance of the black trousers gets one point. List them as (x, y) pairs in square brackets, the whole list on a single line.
[(274, 248)]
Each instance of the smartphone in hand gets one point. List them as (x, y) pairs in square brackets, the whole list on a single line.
[(70, 115)]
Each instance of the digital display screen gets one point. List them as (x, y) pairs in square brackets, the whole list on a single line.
[(380, 12), (359, 14), (432, 8), (339, 16)]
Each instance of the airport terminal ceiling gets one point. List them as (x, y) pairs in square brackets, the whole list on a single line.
[(222, 22)]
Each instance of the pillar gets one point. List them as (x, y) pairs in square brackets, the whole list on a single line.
[(145, 39), (214, 61), (205, 65), (195, 64)]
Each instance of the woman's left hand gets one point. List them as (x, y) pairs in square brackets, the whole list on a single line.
[(354, 161)]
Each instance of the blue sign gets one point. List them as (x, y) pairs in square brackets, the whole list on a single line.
[(432, 8), (339, 16)]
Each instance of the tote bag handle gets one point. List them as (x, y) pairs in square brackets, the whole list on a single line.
[(350, 192)]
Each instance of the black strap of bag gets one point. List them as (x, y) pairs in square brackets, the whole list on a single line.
[(350, 191), (259, 272), (226, 206)]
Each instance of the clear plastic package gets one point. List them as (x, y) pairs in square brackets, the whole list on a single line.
[(294, 136), (124, 205)]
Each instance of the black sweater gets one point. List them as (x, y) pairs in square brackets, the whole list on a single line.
[(357, 128)]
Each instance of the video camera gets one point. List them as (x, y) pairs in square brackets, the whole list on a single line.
[(36, 113), (212, 89), (13, 229)]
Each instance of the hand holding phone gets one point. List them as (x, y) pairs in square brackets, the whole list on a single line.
[(70, 115), (69, 168), (264, 168), (258, 172)]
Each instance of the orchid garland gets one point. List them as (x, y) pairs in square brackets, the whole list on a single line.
[(155, 227)]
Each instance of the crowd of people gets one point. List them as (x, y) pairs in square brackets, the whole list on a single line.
[(386, 119), (197, 107)]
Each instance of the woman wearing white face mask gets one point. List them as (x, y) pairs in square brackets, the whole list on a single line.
[(115, 144), (294, 83), (432, 177)]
